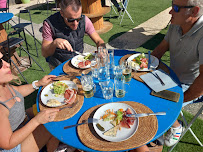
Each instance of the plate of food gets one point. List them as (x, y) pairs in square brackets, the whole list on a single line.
[(139, 62), (59, 93), (113, 125), (83, 61)]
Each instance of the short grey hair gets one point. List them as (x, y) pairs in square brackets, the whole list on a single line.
[(75, 4), (198, 3)]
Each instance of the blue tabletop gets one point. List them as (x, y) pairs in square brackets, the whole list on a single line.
[(136, 91), (4, 17)]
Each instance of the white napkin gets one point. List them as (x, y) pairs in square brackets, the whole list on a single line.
[(155, 84)]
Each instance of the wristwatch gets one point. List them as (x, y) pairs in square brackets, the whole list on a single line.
[(34, 86)]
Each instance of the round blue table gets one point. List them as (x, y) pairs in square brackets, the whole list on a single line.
[(136, 91)]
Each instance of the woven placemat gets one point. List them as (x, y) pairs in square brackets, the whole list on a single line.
[(136, 75), (67, 112), (146, 131), (69, 69)]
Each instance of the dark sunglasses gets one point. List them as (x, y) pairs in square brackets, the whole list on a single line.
[(177, 8), (1, 63), (75, 19)]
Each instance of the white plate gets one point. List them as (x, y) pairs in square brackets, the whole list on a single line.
[(79, 58), (47, 93), (154, 62), (122, 134)]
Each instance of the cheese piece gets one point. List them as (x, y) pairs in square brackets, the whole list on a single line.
[(113, 123), (112, 132)]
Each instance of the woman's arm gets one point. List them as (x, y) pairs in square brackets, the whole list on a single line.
[(27, 89), (10, 139)]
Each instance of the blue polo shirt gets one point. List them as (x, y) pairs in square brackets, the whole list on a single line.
[(186, 51)]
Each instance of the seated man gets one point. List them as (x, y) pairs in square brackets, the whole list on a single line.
[(63, 32), (185, 42)]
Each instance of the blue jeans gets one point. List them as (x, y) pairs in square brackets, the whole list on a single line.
[(185, 87)]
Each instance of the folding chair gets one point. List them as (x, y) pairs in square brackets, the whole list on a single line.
[(188, 128), (13, 42), (111, 5), (125, 5), (23, 25)]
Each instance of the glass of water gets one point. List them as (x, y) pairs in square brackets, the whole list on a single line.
[(107, 89), (119, 82), (118, 70)]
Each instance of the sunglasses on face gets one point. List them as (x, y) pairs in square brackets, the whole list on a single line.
[(1, 63), (177, 8), (74, 19)]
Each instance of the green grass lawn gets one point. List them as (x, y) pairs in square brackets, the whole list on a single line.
[(140, 11)]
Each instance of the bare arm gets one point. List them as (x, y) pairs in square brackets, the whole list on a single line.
[(196, 89), (10, 139), (161, 49), (49, 47), (97, 39), (27, 89)]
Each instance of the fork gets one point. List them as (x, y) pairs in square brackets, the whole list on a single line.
[(70, 106)]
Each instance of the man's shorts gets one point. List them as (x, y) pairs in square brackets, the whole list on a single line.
[(185, 87)]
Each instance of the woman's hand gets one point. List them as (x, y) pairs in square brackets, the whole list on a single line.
[(45, 80), (46, 116)]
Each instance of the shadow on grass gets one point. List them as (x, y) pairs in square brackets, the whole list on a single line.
[(128, 41)]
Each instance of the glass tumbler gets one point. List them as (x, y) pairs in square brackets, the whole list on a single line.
[(119, 82)]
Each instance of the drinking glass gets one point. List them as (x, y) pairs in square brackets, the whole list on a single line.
[(95, 66), (118, 70), (111, 62), (119, 82), (88, 86), (107, 89), (127, 70), (103, 71)]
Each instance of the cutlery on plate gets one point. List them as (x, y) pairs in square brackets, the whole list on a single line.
[(89, 120), (79, 53), (69, 106), (149, 59), (59, 77), (145, 114)]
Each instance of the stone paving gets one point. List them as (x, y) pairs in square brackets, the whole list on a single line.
[(130, 40)]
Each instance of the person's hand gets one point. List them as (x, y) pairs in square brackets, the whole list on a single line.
[(63, 44), (46, 116), (45, 80)]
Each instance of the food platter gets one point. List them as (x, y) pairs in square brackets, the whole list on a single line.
[(122, 134), (48, 93), (154, 62), (80, 58)]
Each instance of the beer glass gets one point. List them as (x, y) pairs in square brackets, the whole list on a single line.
[(119, 82), (127, 70), (88, 86)]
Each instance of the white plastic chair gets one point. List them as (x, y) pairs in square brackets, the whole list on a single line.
[(125, 11), (188, 128)]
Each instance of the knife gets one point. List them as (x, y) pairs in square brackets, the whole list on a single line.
[(79, 53), (89, 120), (149, 59), (145, 114)]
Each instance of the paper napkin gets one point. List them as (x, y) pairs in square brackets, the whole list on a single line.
[(155, 84)]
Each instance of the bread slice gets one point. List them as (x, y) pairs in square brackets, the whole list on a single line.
[(112, 132)]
